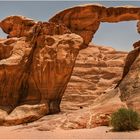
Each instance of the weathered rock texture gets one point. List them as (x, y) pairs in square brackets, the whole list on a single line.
[(97, 70), (35, 67), (129, 84), (37, 60), (82, 105)]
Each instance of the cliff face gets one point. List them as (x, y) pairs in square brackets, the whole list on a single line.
[(35, 67), (97, 70), (129, 85)]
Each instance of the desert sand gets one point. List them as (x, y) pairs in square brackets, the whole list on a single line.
[(14, 132)]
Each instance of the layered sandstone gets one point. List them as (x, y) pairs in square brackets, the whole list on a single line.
[(97, 70)]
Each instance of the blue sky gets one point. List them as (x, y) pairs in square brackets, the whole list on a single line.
[(118, 35)]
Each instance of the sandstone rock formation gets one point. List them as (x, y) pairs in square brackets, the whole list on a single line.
[(129, 85), (36, 65), (37, 60), (84, 20), (17, 26), (130, 82)]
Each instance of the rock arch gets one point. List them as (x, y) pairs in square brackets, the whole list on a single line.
[(85, 20), (39, 58)]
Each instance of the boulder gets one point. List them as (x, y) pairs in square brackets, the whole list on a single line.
[(35, 67)]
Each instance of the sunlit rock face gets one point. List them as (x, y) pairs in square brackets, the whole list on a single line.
[(97, 70), (35, 67)]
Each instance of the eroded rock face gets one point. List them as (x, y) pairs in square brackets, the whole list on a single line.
[(17, 26), (97, 70), (85, 20), (130, 83), (34, 69)]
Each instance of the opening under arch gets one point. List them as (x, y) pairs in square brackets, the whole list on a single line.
[(120, 35), (2, 34)]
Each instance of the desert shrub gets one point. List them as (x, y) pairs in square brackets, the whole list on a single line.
[(125, 120)]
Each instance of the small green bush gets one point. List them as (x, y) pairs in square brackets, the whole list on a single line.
[(125, 120)]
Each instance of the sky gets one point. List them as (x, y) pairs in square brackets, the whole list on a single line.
[(120, 35)]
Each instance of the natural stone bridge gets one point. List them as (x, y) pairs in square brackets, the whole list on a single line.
[(37, 58)]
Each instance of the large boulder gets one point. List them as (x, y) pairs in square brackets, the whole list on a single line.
[(35, 67)]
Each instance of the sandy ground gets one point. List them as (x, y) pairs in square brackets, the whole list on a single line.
[(95, 133)]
